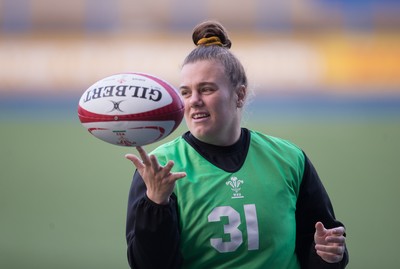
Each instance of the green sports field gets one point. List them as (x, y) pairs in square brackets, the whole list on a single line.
[(63, 193)]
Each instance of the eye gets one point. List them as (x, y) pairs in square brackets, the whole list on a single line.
[(185, 93), (207, 90)]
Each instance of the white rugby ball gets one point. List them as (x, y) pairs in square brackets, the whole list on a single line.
[(130, 109)]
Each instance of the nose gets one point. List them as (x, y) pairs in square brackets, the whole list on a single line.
[(195, 99)]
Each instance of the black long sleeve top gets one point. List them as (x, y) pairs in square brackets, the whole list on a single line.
[(152, 230)]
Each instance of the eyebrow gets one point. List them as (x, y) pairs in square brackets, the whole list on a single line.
[(201, 84)]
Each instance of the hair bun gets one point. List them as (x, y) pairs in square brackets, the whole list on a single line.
[(211, 33)]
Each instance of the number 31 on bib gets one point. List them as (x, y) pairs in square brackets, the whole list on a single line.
[(232, 228)]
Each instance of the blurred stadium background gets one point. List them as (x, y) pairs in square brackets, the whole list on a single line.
[(325, 74)]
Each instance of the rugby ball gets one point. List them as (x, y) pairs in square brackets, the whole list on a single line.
[(130, 109)]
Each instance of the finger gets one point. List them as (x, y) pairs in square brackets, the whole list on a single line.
[(329, 257), (154, 163), (166, 173), (331, 249), (339, 231), (143, 155), (136, 161), (320, 229), (168, 166), (178, 175), (336, 239), (173, 176)]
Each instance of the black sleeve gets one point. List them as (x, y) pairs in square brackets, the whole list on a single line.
[(313, 205), (152, 230)]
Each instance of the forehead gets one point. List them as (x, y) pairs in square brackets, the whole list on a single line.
[(203, 71)]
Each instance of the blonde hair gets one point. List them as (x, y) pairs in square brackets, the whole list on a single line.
[(213, 43)]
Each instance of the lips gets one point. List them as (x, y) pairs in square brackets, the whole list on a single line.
[(201, 115)]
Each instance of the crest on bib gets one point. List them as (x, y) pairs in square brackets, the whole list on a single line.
[(235, 184)]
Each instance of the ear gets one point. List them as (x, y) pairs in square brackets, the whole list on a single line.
[(241, 95)]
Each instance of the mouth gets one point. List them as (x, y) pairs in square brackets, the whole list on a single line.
[(202, 115)]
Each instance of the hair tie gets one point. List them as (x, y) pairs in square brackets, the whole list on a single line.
[(208, 41)]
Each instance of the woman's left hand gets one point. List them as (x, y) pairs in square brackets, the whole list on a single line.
[(330, 243)]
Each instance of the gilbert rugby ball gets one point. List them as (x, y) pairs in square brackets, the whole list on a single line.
[(130, 109)]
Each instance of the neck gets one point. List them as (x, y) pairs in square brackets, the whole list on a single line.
[(222, 140)]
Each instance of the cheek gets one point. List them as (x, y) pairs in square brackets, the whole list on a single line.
[(186, 105), (186, 108), (225, 105)]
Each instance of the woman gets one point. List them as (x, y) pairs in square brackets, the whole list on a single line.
[(222, 196)]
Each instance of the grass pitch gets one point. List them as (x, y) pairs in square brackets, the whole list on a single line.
[(63, 193)]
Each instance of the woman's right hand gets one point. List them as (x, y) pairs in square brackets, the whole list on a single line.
[(159, 180)]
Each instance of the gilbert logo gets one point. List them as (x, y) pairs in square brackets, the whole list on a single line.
[(235, 183), (123, 90), (116, 106)]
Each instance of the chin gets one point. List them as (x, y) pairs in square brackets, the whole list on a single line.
[(201, 134)]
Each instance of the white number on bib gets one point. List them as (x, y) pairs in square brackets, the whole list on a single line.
[(231, 228)]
